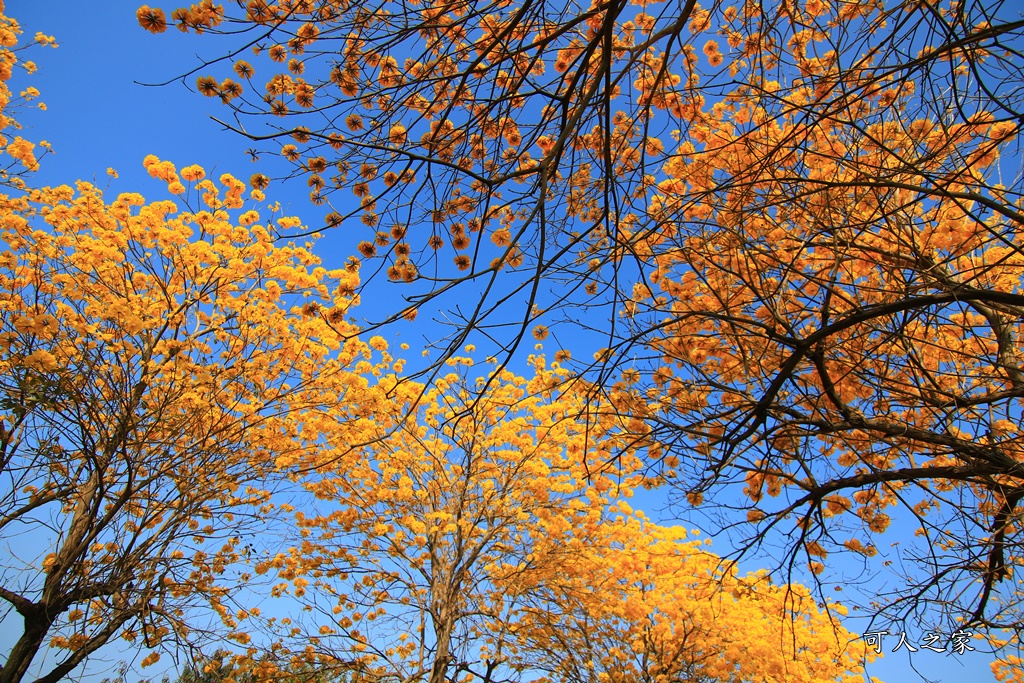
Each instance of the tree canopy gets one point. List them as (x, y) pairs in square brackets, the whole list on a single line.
[(795, 225), (776, 245), (20, 155), (159, 370), (191, 427), (483, 540)]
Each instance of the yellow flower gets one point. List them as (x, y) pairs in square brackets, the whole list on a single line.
[(230, 89), (354, 122), (244, 69), (41, 360), (207, 85), (49, 561), (153, 20), (397, 135), (150, 659), (23, 151), (501, 237), (193, 173)]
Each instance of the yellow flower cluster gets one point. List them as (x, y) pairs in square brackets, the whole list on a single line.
[(21, 150)]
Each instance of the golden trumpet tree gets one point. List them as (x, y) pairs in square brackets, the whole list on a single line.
[(643, 603), (797, 226), (485, 538), (413, 559), (22, 153), (162, 364)]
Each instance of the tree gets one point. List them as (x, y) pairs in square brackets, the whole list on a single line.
[(220, 667), (795, 224), (645, 604), (412, 563), (485, 540), (160, 370), (22, 153)]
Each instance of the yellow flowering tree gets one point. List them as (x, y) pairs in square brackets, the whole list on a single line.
[(797, 223), (485, 538), (22, 153), (162, 364), (411, 559), (641, 602)]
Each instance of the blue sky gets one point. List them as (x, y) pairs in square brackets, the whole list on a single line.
[(99, 116)]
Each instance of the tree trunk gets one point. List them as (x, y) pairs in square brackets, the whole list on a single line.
[(24, 651)]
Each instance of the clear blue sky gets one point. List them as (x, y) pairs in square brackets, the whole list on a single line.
[(99, 116)]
